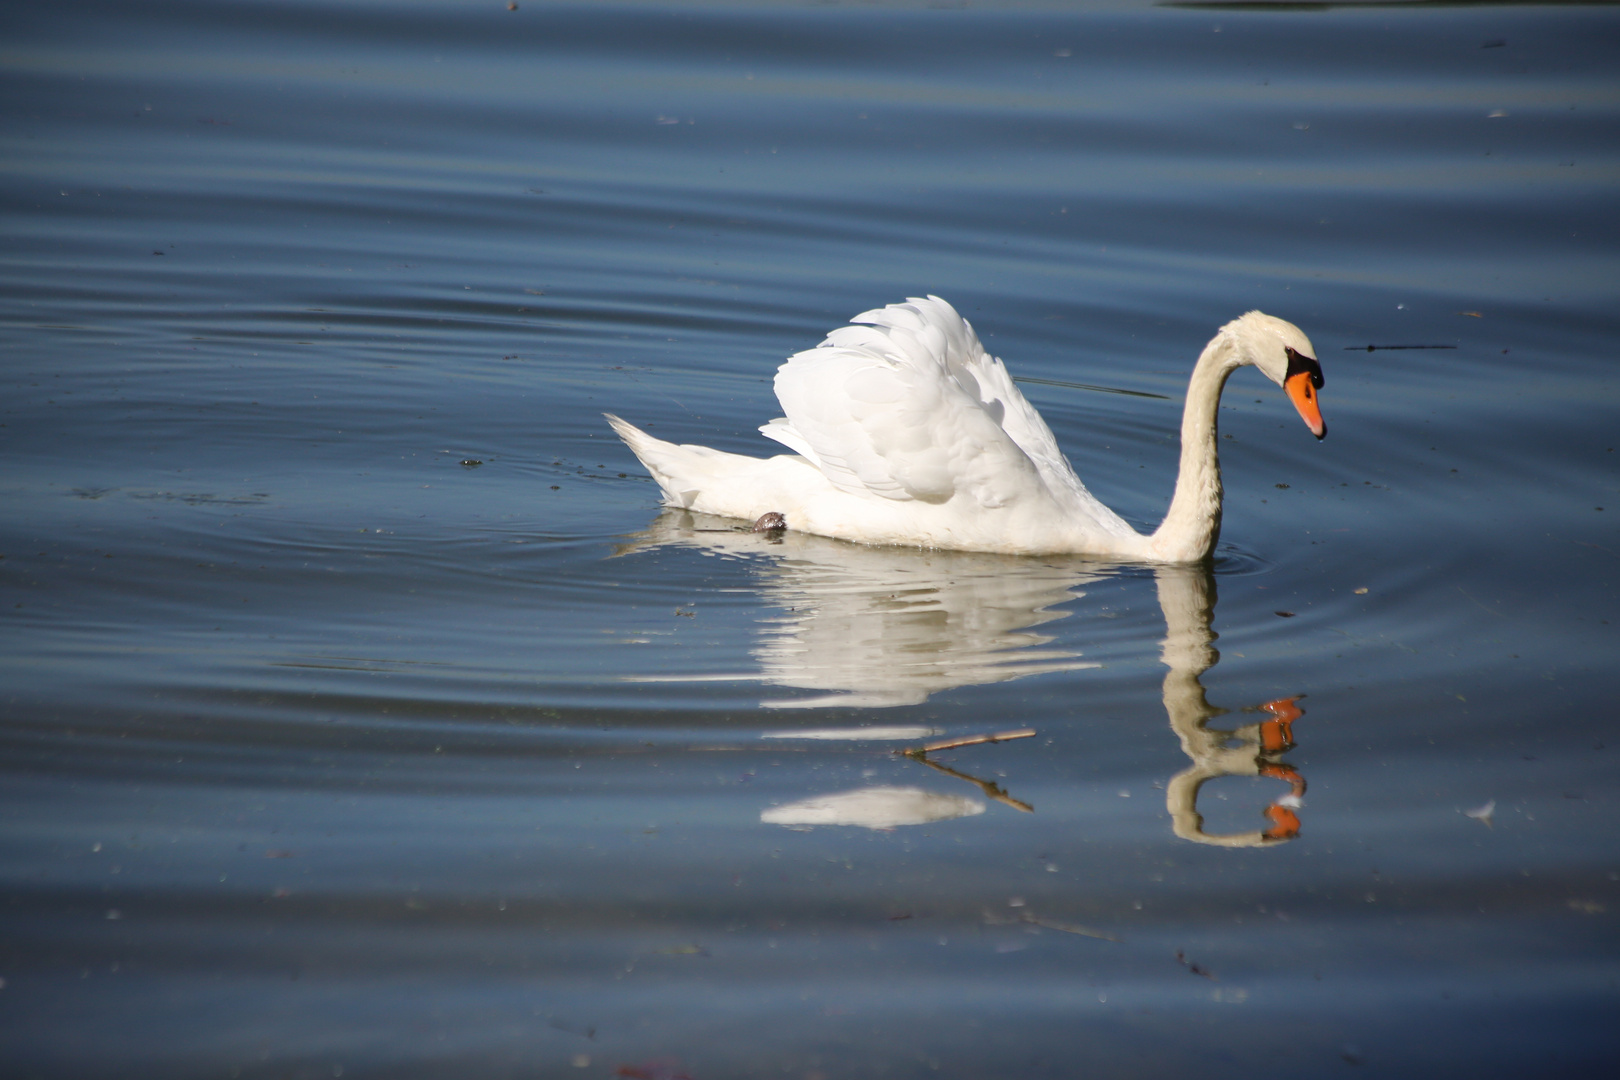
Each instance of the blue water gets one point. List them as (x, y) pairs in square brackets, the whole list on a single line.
[(363, 715)]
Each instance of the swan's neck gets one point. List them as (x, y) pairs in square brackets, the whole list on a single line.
[(1189, 531)]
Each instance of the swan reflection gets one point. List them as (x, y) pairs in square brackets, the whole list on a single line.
[(874, 808), (1187, 597), (881, 627), (875, 627)]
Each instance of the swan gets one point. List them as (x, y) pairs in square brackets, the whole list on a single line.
[(904, 431)]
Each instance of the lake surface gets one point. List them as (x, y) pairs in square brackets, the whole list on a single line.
[(364, 716)]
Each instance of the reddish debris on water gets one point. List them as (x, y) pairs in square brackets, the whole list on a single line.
[(653, 1070)]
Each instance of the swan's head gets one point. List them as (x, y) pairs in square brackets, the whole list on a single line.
[(1283, 352)]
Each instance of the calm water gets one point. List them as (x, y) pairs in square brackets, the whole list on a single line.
[(363, 716)]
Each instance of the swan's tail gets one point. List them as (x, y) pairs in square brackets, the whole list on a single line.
[(676, 468)]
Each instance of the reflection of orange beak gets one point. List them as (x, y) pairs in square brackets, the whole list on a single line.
[(1277, 736), (1284, 823), (1303, 395)]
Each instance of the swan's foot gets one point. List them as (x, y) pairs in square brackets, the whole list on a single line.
[(771, 522)]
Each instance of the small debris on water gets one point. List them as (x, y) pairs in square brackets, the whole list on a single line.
[(653, 1070), (1196, 969), (684, 950), (1284, 614), (1361, 591), (471, 463), (1483, 813)]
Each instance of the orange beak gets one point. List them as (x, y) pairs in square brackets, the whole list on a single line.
[(1303, 394)]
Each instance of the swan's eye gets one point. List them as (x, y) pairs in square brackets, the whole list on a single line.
[(1299, 364)]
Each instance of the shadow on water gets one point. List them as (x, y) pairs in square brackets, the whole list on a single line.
[(885, 627)]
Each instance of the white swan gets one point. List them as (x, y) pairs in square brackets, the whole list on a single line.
[(905, 431)]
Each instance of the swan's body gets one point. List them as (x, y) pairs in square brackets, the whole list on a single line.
[(905, 431)]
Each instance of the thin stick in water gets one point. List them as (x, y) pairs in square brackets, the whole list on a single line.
[(970, 740), (1376, 348)]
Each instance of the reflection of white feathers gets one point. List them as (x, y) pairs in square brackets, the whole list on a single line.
[(869, 734), (884, 626), (874, 808)]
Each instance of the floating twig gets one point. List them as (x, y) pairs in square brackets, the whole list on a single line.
[(969, 740), (1379, 348)]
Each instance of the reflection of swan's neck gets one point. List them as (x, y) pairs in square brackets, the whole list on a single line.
[(1187, 595), (1193, 524), (1187, 598)]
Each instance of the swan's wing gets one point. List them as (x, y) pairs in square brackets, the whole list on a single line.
[(881, 412), (983, 377), (782, 430)]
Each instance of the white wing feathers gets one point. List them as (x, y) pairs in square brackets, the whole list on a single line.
[(909, 406)]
